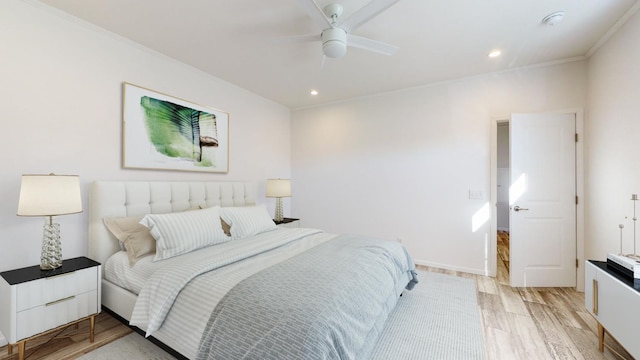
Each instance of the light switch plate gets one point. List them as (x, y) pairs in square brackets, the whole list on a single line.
[(476, 195)]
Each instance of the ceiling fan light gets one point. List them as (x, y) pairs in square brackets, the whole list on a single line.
[(334, 49), (334, 42)]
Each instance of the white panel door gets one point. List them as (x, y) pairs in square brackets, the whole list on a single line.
[(542, 200)]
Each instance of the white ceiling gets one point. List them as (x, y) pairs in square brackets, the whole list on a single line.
[(241, 41)]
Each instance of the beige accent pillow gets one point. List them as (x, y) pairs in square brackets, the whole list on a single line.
[(139, 244), (135, 237)]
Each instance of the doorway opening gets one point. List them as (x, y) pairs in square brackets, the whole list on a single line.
[(502, 199)]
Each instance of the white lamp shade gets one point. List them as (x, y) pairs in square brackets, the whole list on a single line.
[(278, 188), (49, 195)]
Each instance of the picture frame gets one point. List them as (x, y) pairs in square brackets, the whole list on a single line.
[(163, 132)]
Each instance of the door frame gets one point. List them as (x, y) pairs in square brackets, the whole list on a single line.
[(493, 233)]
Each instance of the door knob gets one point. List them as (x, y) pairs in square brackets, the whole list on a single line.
[(518, 208)]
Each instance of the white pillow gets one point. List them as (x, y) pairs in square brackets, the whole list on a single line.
[(182, 232), (247, 221)]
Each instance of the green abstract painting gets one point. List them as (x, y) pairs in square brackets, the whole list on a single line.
[(173, 134)]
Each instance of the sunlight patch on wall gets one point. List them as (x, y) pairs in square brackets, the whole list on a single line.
[(480, 217)]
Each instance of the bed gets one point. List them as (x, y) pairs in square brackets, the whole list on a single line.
[(251, 290)]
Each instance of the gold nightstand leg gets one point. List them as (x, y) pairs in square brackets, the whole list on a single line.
[(21, 350), (92, 327), (600, 337)]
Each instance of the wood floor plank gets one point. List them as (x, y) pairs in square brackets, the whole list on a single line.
[(588, 344), (562, 310), (500, 345), (576, 298), (511, 300), (559, 351), (588, 321), (527, 337), (531, 295), (550, 327), (493, 312)]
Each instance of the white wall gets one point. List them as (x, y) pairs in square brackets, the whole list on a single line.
[(61, 91), (400, 165), (612, 171)]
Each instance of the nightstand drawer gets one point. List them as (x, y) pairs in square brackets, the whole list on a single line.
[(62, 311), (39, 292)]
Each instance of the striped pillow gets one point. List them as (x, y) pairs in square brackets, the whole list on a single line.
[(247, 221), (182, 232)]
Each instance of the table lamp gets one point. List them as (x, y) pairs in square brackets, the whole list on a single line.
[(278, 188), (50, 195)]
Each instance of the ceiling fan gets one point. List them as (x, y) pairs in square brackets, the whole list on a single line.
[(336, 35)]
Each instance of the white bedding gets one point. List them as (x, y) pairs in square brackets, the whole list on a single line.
[(118, 271), (189, 314)]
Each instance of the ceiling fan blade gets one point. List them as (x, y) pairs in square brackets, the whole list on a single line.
[(366, 13), (371, 45), (296, 39), (316, 13)]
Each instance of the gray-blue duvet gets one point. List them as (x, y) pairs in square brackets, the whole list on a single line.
[(330, 302)]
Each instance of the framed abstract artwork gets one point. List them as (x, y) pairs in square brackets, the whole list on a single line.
[(167, 133)]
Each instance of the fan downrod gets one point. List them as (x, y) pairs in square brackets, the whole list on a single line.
[(333, 12)]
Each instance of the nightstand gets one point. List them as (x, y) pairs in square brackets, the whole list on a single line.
[(35, 302), (288, 223)]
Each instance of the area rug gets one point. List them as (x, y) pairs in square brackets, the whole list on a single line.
[(438, 320), (133, 346)]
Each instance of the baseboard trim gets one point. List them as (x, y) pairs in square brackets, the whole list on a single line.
[(450, 267)]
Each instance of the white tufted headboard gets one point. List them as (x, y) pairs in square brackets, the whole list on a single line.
[(131, 198)]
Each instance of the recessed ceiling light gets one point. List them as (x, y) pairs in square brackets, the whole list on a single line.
[(553, 18), (495, 53), (314, 92)]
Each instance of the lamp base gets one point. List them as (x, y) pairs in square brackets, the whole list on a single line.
[(51, 255), (279, 213)]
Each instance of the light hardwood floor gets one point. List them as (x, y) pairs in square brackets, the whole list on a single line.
[(71, 343), (534, 323), (519, 323)]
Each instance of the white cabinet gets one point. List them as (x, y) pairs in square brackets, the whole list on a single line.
[(33, 301), (615, 303)]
